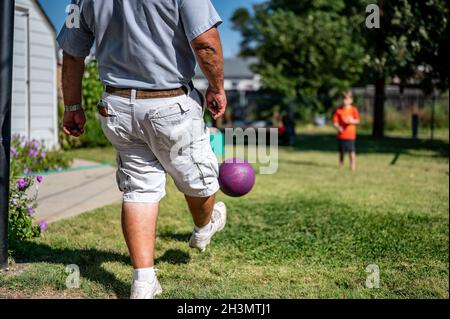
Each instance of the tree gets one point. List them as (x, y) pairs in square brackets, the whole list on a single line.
[(306, 50), (315, 48), (411, 45)]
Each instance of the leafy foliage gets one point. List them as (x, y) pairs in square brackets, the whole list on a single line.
[(27, 158), (306, 51), (309, 50), (412, 43)]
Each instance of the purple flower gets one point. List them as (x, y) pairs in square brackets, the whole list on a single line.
[(27, 171), (43, 154), (32, 152), (21, 183), (34, 144), (39, 178), (30, 210), (43, 225), (14, 152)]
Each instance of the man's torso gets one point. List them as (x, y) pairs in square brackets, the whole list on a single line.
[(142, 44), (150, 32)]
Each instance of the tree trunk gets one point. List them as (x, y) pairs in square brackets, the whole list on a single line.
[(378, 110), (380, 83)]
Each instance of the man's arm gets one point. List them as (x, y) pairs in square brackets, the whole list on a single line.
[(208, 50), (72, 76)]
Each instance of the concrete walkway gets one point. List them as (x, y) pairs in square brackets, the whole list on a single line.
[(84, 187)]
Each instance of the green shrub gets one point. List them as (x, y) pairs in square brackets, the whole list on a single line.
[(27, 159), (21, 209)]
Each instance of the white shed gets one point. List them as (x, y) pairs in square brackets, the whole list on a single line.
[(34, 98)]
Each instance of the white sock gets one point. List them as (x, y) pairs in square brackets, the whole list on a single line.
[(203, 230), (144, 274)]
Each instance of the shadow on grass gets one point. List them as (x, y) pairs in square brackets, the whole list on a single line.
[(90, 262), (306, 163), (184, 237), (174, 257), (366, 144)]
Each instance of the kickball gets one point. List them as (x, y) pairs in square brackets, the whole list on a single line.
[(236, 177)]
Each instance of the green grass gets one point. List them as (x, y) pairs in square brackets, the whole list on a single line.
[(309, 231)]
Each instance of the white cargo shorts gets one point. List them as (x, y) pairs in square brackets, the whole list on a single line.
[(153, 137)]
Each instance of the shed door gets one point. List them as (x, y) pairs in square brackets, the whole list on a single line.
[(20, 98)]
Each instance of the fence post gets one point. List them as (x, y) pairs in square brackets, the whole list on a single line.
[(415, 126), (433, 115)]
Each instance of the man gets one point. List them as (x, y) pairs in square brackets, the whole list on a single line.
[(151, 112)]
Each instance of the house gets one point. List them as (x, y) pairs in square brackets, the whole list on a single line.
[(240, 83), (34, 97), (238, 76)]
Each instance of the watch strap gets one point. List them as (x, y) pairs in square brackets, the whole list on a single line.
[(73, 108)]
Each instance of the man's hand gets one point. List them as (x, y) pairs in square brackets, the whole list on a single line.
[(73, 69), (73, 123), (216, 101)]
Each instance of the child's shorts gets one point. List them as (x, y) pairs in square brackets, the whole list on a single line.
[(346, 146)]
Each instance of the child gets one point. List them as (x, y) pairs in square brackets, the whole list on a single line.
[(345, 119)]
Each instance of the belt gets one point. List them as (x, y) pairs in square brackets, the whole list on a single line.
[(147, 94)]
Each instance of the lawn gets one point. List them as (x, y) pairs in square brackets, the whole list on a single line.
[(309, 231)]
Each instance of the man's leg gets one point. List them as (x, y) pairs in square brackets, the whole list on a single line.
[(139, 229), (353, 161), (209, 218), (201, 209)]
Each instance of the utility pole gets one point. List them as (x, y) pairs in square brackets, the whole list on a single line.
[(6, 66)]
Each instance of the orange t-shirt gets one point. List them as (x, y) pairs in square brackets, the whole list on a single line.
[(339, 118)]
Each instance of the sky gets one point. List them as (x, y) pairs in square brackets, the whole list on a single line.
[(55, 9)]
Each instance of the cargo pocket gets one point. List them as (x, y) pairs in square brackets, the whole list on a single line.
[(204, 161)]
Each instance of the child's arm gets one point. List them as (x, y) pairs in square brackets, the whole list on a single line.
[(338, 127), (356, 119), (336, 123)]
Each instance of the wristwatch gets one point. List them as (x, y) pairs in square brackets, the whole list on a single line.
[(73, 108)]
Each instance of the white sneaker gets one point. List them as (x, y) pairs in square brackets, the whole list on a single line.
[(218, 221), (145, 290)]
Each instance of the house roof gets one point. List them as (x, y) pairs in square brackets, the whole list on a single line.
[(45, 15), (235, 68)]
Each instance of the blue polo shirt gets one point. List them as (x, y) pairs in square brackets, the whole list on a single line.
[(143, 44)]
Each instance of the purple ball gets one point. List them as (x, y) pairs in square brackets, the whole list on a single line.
[(236, 177)]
